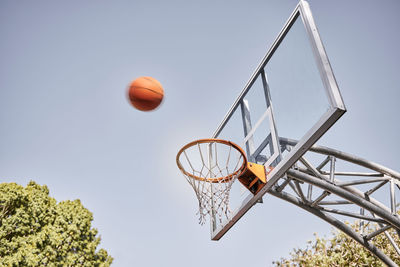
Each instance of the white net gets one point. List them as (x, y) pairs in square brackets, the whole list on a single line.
[(211, 166)]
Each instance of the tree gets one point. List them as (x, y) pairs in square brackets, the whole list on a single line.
[(35, 230), (341, 250)]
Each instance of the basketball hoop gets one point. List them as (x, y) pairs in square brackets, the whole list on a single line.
[(211, 166)]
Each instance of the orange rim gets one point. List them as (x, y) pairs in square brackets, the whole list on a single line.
[(217, 179)]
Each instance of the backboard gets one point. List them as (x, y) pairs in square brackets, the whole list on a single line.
[(291, 94)]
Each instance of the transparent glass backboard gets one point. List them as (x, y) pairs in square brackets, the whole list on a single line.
[(292, 94)]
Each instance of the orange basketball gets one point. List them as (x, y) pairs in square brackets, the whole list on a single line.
[(145, 93)]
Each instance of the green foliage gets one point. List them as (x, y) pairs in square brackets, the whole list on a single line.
[(341, 250), (35, 230)]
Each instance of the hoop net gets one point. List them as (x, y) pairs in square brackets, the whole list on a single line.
[(211, 166)]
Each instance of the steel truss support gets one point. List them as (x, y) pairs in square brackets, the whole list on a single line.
[(368, 195)]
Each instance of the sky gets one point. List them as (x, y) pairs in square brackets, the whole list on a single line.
[(65, 120)]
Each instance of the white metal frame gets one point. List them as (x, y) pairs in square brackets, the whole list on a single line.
[(336, 110), (359, 192)]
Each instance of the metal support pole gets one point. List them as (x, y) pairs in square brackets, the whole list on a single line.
[(390, 218), (392, 197), (332, 169), (338, 224), (321, 197)]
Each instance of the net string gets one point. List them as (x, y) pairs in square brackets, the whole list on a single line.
[(213, 194)]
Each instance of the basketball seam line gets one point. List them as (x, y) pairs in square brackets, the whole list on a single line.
[(150, 90), (154, 83)]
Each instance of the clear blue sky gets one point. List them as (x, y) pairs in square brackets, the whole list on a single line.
[(65, 121)]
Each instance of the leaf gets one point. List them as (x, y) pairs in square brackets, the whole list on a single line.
[(35, 230)]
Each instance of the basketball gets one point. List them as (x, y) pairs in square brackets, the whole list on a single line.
[(145, 93)]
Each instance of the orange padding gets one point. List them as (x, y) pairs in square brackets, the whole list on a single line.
[(254, 177)]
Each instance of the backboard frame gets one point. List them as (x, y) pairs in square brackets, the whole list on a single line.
[(336, 110)]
